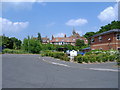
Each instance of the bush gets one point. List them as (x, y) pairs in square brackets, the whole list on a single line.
[(93, 56), (59, 55), (12, 51), (79, 59), (112, 58), (85, 59), (118, 61), (65, 58), (98, 56)]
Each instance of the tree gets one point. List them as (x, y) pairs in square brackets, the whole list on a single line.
[(88, 35), (15, 43), (25, 44), (112, 25), (39, 37), (31, 45), (79, 43), (11, 43), (5, 42), (0, 40)]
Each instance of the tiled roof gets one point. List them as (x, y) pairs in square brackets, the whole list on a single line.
[(45, 38), (67, 39)]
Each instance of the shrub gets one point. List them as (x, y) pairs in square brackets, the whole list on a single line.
[(79, 59), (65, 58), (111, 57), (12, 51), (98, 58), (85, 59), (118, 61), (92, 58), (59, 55)]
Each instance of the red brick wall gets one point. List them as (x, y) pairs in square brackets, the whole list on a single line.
[(106, 44)]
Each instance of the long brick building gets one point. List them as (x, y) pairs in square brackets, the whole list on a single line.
[(106, 40), (68, 40)]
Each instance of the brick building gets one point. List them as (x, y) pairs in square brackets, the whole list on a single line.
[(68, 40), (45, 40), (106, 40)]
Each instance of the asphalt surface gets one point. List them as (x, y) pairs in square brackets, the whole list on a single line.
[(34, 71)]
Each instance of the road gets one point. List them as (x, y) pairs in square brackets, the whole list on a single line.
[(34, 71)]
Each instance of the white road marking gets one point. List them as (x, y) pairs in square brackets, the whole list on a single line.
[(98, 69), (60, 64), (56, 63), (103, 69)]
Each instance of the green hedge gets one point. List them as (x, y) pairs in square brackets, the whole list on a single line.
[(12, 51), (93, 58), (59, 55)]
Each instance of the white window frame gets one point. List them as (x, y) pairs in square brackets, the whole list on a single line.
[(117, 36), (92, 40), (100, 38)]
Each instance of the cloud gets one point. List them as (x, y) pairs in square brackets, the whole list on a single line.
[(22, 1), (59, 35), (21, 4), (12, 27), (76, 22), (109, 14)]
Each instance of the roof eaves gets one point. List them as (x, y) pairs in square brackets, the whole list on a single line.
[(110, 31)]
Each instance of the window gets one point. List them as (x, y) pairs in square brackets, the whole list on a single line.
[(68, 40), (118, 36), (56, 39), (118, 49), (73, 39), (92, 40), (62, 39), (100, 49), (44, 40), (100, 38)]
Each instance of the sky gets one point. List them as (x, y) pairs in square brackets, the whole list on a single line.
[(20, 19)]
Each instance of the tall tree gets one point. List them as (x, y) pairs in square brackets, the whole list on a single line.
[(39, 37), (31, 45)]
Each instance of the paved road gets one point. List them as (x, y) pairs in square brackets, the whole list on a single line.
[(33, 71)]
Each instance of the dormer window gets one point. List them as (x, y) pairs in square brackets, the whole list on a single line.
[(118, 36)]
